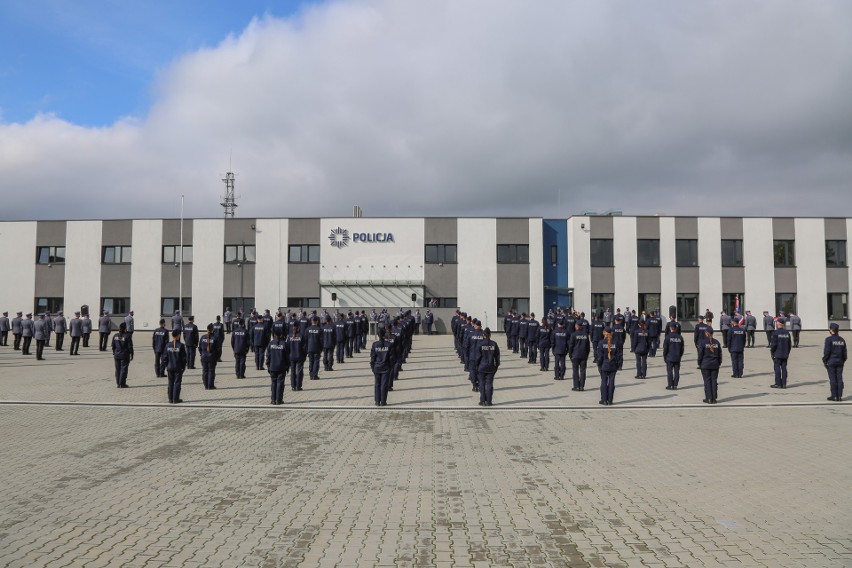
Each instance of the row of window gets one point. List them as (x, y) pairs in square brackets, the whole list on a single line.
[(686, 252)]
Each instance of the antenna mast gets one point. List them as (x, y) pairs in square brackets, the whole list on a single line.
[(230, 200)]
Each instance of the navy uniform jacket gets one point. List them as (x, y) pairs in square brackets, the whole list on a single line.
[(532, 330), (303, 325), (487, 357), (158, 339), (673, 347), (240, 340), (296, 348), (514, 329), (834, 352), (779, 344), (209, 347), (736, 340), (381, 356), (175, 356), (641, 341), (522, 328), (329, 339), (314, 338), (472, 341), (104, 324), (279, 326), (560, 341), (618, 334), (190, 335), (710, 355), (258, 336), (579, 345), (76, 327), (610, 359), (122, 346), (277, 356), (654, 324), (340, 331), (597, 330), (431, 318), (545, 335), (698, 335), (219, 331), (676, 323), (350, 327)]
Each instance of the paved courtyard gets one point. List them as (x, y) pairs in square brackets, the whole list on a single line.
[(99, 476)]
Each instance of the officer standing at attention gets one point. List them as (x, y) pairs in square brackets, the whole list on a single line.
[(190, 339), (673, 321), (27, 329), (709, 361), (219, 334), (159, 342), (750, 327), (228, 317), (177, 320), (40, 334), (653, 325), (579, 346), (724, 324), (60, 328), (779, 348), (277, 363), (240, 345), (532, 339), (699, 333), (87, 330), (314, 348), (522, 334), (258, 342), (768, 327), (486, 363), (296, 353), (641, 346), (796, 328), (17, 330), (329, 340), (560, 349), (340, 338), (736, 347), (4, 329), (610, 355), (428, 320), (104, 329), (174, 359), (131, 324), (545, 336), (834, 358), (122, 353), (76, 332), (48, 328), (381, 363), (672, 354), (417, 321), (208, 347), (350, 335)]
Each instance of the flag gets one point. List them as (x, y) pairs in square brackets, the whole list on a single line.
[(736, 303)]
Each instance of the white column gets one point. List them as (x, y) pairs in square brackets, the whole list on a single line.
[(759, 262), (537, 253), (270, 272), (579, 262), (668, 265), (145, 272), (17, 257), (83, 240), (625, 261), (208, 269), (710, 265), (477, 269), (811, 285)]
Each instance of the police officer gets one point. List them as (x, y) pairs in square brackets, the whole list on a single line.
[(610, 356), (560, 349), (532, 339), (208, 347), (228, 318), (834, 358), (417, 322), (240, 345), (329, 340), (159, 342), (545, 343), (130, 323), (60, 328), (122, 353), (17, 330), (641, 345), (48, 328), (280, 326), (750, 328), (4, 329), (428, 320), (779, 348), (27, 329), (672, 354), (350, 335), (40, 335), (768, 327), (725, 322), (219, 333), (381, 363), (736, 346), (174, 360), (87, 331), (277, 363), (795, 328), (104, 329), (190, 339), (314, 347), (486, 363), (673, 321), (522, 334), (472, 341), (177, 321), (579, 346), (709, 361), (340, 338), (297, 354), (653, 326), (259, 341)]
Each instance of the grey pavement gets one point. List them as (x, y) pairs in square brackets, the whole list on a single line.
[(546, 478)]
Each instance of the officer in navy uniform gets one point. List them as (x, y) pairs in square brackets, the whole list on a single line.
[(75, 330), (532, 339), (381, 363), (610, 356), (329, 341), (122, 353), (750, 327), (297, 354), (579, 346), (4, 329), (779, 347), (672, 354), (277, 363), (673, 321), (486, 363), (17, 330), (709, 361), (240, 344), (208, 348), (40, 328), (190, 339), (350, 335), (48, 328), (522, 334), (314, 347), (736, 346), (641, 345), (258, 341), (340, 338), (428, 320), (619, 336), (219, 333), (159, 341), (280, 325), (834, 358), (174, 361), (27, 329), (653, 326), (471, 348), (596, 334), (545, 343), (560, 350)]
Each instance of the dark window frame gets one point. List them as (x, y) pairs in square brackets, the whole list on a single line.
[(609, 256), (512, 254), (643, 304), (691, 253), (186, 248), (53, 256), (305, 251), (235, 303), (728, 302), (113, 312), (240, 256), (600, 302), (516, 304), (784, 307), (440, 254), (736, 251), (186, 306), (841, 263), (654, 260), (784, 253), (118, 252), (305, 302), (442, 302), (845, 305), (52, 304), (680, 303)]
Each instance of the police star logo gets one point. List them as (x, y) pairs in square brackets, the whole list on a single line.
[(339, 237)]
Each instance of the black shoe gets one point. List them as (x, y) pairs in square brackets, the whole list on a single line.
[(609, 403), (674, 387), (481, 403), (582, 389), (298, 389), (390, 388), (775, 386), (172, 402), (601, 402), (833, 398), (574, 389), (668, 388), (125, 386), (488, 404), (212, 387), (706, 401), (784, 387), (178, 401), (713, 401)]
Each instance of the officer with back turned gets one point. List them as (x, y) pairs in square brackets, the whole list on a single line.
[(17, 330), (486, 362), (545, 343), (672, 354), (27, 328), (834, 358), (560, 349), (736, 346), (725, 322), (779, 347), (532, 339), (795, 328), (4, 329), (240, 345), (177, 321), (259, 341), (709, 361), (579, 346), (219, 334), (329, 341), (104, 329), (277, 363), (75, 330), (122, 353), (381, 363), (159, 341), (60, 328), (340, 338), (297, 354), (313, 340), (190, 339), (40, 328), (174, 360), (208, 348), (750, 328)]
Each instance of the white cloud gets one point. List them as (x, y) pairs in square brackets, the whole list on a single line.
[(474, 108)]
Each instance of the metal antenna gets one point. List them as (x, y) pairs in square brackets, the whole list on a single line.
[(230, 200)]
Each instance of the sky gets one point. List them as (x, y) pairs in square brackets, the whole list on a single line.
[(112, 109)]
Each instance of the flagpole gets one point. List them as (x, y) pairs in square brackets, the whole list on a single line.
[(180, 273)]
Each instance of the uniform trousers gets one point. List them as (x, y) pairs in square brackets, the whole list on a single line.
[(86, 339), (60, 340), (27, 342), (737, 363), (780, 371), (523, 346), (835, 380), (607, 385), (240, 365), (40, 348), (559, 365), (350, 341), (297, 374), (655, 344), (277, 383), (796, 337), (428, 328), (381, 385), (724, 339), (356, 343), (486, 386), (190, 356), (313, 365), (104, 341), (75, 345), (340, 348), (672, 373), (515, 344), (159, 363), (544, 359), (208, 371), (17, 342), (259, 352), (579, 372), (4, 338), (121, 368), (472, 376), (533, 349), (641, 364), (711, 383), (328, 358), (750, 338), (768, 337), (175, 380)]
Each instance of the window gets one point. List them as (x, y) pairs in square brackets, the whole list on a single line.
[(442, 303), (520, 305), (513, 254), (554, 257), (784, 253), (732, 253), (835, 253), (600, 302), (50, 255), (687, 306), (686, 252), (237, 304), (51, 305), (171, 254), (302, 303), (648, 302), (239, 253), (601, 252), (440, 254), (785, 302), (169, 306), (733, 301), (838, 306), (648, 252), (304, 254), (115, 306), (116, 255)]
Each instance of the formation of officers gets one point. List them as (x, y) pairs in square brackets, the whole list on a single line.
[(284, 343)]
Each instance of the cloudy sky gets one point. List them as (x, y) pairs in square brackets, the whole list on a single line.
[(475, 107)]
